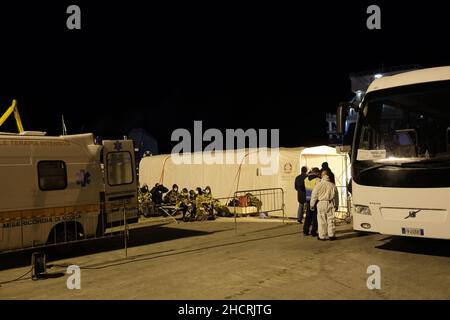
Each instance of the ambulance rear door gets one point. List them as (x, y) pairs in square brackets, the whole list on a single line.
[(120, 182)]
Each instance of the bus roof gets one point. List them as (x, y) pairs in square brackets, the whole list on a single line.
[(412, 77)]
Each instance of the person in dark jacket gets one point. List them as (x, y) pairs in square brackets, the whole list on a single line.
[(157, 193), (310, 226), (330, 173), (172, 196), (301, 193)]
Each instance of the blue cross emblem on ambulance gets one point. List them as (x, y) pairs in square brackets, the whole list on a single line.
[(118, 145), (83, 178)]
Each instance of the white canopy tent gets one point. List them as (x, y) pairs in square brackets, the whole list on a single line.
[(225, 178)]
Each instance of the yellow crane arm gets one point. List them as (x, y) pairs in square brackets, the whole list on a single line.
[(11, 109)]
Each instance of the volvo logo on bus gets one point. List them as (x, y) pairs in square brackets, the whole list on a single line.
[(412, 214)]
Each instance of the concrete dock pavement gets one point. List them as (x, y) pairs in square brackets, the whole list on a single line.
[(264, 259)]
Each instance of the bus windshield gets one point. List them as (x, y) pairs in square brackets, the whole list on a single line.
[(402, 125)]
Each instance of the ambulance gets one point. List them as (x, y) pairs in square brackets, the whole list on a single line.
[(59, 189)]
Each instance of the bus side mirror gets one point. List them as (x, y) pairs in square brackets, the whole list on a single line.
[(341, 115)]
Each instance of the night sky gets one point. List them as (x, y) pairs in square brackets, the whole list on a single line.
[(232, 66)]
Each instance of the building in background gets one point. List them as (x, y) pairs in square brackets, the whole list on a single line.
[(144, 144), (360, 81)]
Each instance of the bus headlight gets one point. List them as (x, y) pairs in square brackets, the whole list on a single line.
[(362, 210)]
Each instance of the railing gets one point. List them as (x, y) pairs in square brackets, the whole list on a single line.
[(264, 201)]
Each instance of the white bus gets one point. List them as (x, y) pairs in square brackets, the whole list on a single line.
[(63, 188), (401, 155)]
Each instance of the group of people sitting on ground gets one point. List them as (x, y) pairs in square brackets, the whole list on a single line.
[(194, 205), (319, 197)]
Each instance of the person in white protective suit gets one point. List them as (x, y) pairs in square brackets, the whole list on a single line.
[(326, 195)]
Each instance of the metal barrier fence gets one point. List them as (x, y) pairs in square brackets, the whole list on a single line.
[(344, 203), (258, 201), (343, 214), (51, 228)]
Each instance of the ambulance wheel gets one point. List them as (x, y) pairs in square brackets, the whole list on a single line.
[(72, 231), (67, 237)]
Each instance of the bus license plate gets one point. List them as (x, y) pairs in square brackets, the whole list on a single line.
[(413, 231)]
